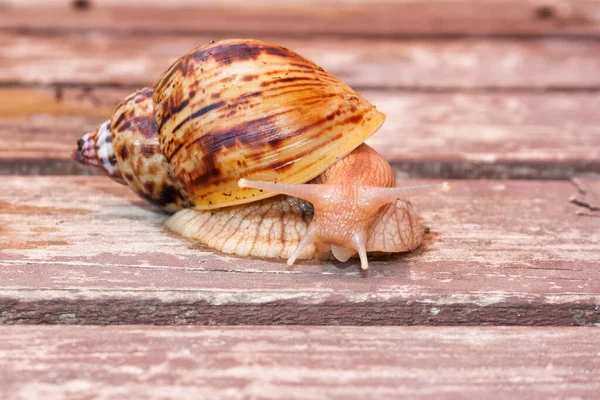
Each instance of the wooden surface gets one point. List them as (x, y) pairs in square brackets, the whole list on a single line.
[(431, 135), (457, 107), (500, 96), (480, 264), (299, 363), (358, 18), (587, 196), (385, 64)]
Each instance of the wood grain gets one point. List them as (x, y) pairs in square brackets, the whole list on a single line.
[(299, 363), (433, 135), (357, 18), (443, 64), (84, 250)]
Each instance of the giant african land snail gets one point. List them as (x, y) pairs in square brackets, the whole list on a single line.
[(232, 124)]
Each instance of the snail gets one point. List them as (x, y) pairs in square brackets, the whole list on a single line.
[(255, 150)]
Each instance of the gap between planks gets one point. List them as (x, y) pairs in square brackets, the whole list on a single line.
[(84, 250)]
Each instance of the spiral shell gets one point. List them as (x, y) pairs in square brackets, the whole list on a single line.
[(141, 163), (244, 108)]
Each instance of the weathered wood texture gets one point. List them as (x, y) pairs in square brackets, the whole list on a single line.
[(299, 363), (437, 135), (363, 17), (588, 194), (472, 89), (457, 108), (445, 64), (83, 250)]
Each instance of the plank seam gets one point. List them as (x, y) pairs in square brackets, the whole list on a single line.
[(371, 36), (558, 170)]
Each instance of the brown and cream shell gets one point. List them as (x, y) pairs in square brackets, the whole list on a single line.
[(249, 109), (238, 108)]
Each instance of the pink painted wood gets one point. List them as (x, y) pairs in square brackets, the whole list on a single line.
[(299, 362), (435, 135), (308, 17), (85, 250)]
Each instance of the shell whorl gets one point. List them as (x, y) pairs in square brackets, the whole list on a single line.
[(126, 149), (245, 108), (96, 150), (135, 142)]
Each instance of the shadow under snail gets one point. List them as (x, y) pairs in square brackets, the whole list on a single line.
[(259, 152)]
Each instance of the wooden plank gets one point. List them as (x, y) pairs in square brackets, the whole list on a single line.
[(299, 362), (468, 63), (434, 135), (361, 17), (39, 128), (84, 250)]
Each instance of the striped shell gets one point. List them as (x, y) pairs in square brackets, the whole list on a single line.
[(140, 161), (249, 109)]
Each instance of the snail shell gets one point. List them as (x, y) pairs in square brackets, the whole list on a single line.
[(249, 109)]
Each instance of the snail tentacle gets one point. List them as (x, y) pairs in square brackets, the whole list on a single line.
[(309, 237), (306, 191), (360, 244), (380, 196)]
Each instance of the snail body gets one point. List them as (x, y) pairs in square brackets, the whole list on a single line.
[(233, 129)]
